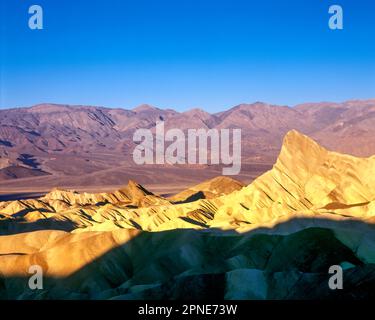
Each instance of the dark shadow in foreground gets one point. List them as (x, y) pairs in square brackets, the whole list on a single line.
[(211, 264)]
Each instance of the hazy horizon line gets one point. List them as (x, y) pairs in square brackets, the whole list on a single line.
[(187, 109)]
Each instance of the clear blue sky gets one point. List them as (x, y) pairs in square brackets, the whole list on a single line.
[(186, 53)]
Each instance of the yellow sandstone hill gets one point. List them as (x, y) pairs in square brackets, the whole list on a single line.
[(132, 194), (209, 189), (314, 208), (307, 180)]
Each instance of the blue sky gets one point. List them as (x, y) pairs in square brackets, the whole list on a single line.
[(186, 53)]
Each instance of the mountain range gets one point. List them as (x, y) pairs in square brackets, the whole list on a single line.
[(51, 145)]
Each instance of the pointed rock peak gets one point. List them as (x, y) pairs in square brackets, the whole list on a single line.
[(300, 151), (224, 181), (133, 184), (295, 140), (134, 189), (144, 108)]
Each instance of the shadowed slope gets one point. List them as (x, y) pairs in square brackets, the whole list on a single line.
[(192, 264)]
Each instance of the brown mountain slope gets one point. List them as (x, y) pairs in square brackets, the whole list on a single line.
[(19, 172), (347, 127), (95, 139)]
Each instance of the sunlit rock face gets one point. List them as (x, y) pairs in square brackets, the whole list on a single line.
[(273, 239)]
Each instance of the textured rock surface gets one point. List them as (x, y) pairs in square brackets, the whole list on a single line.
[(273, 239)]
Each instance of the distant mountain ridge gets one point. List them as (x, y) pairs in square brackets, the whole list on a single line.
[(93, 139)]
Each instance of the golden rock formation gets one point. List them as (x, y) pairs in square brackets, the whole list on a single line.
[(67, 233)]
